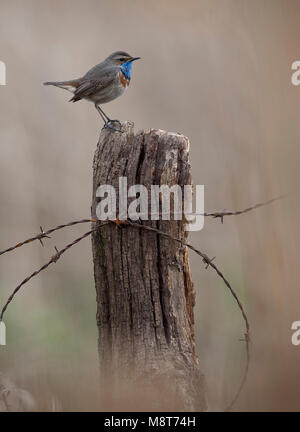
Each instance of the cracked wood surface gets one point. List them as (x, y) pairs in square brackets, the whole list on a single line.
[(145, 294)]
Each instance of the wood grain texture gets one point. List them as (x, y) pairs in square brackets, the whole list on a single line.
[(145, 294)]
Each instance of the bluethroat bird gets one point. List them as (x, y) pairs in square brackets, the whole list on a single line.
[(103, 83)]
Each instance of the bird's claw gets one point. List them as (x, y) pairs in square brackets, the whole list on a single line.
[(108, 125)]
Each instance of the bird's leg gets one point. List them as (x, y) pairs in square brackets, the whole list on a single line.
[(100, 112), (107, 120)]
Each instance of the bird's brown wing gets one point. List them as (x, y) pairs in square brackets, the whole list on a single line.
[(90, 87)]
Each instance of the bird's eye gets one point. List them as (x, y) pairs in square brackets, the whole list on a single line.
[(122, 59)]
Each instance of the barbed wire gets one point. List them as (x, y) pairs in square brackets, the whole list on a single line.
[(205, 259), (222, 214), (209, 263), (52, 260), (218, 214), (45, 234)]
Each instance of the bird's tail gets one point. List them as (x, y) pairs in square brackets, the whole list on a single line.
[(66, 85)]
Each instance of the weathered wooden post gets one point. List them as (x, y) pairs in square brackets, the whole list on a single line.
[(145, 295)]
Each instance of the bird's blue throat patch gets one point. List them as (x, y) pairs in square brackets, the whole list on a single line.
[(126, 69)]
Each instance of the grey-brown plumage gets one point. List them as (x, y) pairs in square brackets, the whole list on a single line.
[(103, 83)]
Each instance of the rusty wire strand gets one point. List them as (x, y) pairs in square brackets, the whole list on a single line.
[(45, 234), (214, 215), (222, 214), (208, 261), (53, 259)]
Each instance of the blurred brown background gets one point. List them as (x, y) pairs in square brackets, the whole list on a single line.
[(219, 72)]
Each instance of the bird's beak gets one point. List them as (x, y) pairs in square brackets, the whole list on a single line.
[(134, 58)]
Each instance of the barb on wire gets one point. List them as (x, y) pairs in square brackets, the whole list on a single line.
[(42, 235), (45, 234), (222, 214)]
